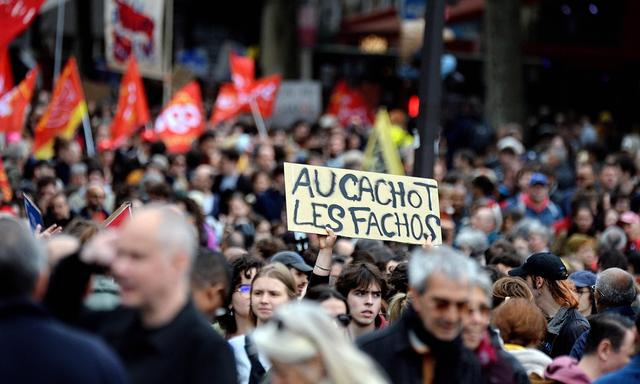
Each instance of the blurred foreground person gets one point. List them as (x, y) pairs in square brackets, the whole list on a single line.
[(158, 331), (424, 345), (304, 345), (35, 348)]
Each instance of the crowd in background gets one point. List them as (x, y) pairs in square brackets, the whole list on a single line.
[(535, 280)]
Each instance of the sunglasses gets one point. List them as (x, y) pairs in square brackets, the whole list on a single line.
[(343, 319), (244, 288), (444, 304)]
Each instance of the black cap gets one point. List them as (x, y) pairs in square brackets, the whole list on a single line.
[(291, 260), (543, 264)]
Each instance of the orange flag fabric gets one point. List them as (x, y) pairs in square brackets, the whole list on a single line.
[(5, 186), (64, 114), (133, 110), (13, 104), (6, 75), (182, 120)]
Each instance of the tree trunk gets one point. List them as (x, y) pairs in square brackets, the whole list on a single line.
[(503, 63)]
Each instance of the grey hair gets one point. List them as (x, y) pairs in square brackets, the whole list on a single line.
[(616, 288), (445, 260), (537, 228), (174, 232), (481, 280), (613, 238), (22, 258), (475, 239), (299, 331)]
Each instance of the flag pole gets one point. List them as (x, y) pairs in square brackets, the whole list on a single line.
[(168, 51), (257, 116), (59, 33), (88, 135)]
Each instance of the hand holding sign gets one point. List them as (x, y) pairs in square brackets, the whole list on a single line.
[(327, 242), (362, 204)]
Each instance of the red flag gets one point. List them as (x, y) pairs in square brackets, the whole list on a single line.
[(6, 75), (242, 71), (132, 111), (227, 104), (346, 103), (64, 114), (118, 217), (264, 92), (15, 16), (13, 104), (137, 22), (5, 187), (182, 121)]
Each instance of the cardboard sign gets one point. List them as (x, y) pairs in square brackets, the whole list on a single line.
[(33, 213), (362, 204)]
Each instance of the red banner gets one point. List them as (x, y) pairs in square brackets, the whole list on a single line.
[(13, 104), (242, 71), (182, 121), (132, 111), (347, 103), (5, 186), (6, 74), (15, 16), (64, 114)]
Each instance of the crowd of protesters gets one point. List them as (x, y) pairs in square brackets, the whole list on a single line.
[(535, 280)]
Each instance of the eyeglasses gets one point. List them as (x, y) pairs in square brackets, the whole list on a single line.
[(244, 288), (343, 319), (594, 289)]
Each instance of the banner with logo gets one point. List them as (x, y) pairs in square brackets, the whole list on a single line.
[(182, 120), (135, 28), (13, 104), (15, 17), (64, 114), (132, 111), (347, 103)]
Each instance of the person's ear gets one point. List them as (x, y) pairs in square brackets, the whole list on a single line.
[(40, 288), (216, 296), (604, 349), (538, 282)]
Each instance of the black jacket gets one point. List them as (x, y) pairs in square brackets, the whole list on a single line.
[(394, 353), (562, 332)]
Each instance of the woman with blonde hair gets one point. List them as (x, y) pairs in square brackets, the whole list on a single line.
[(304, 345), (271, 287)]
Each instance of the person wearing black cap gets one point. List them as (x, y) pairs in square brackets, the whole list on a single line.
[(547, 276), (298, 268)]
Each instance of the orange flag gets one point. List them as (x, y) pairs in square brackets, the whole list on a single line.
[(6, 75), (5, 187), (133, 110), (64, 114), (182, 121), (13, 104)]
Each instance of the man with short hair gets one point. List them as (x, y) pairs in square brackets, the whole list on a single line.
[(627, 374), (608, 347), (35, 348), (424, 345), (614, 292), (363, 285), (299, 269), (210, 282), (158, 332)]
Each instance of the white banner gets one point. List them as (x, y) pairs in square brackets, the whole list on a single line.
[(135, 27), (297, 100)]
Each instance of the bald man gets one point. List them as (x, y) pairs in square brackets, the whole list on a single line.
[(158, 332), (614, 292)]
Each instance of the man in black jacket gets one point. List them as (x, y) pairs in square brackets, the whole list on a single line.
[(424, 345), (158, 333)]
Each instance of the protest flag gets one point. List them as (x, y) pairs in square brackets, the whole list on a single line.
[(13, 104), (181, 122), (346, 103), (381, 135), (32, 212), (15, 16), (5, 186), (6, 75), (117, 218), (242, 71), (132, 111), (64, 114)]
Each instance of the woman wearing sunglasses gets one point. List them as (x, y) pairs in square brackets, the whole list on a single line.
[(304, 346), (271, 287)]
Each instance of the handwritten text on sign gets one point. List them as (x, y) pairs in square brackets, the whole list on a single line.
[(362, 204)]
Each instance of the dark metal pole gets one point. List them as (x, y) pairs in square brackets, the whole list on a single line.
[(430, 88)]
